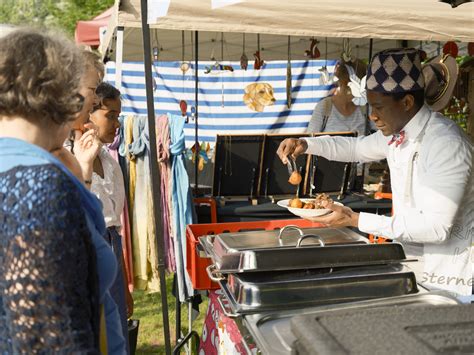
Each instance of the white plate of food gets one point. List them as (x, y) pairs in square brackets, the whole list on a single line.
[(307, 208)]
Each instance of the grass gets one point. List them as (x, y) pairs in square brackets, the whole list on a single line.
[(148, 310)]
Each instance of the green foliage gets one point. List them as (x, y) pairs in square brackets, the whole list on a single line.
[(62, 14), (458, 111), (463, 59), (148, 309)]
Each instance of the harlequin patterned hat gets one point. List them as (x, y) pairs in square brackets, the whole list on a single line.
[(395, 70)]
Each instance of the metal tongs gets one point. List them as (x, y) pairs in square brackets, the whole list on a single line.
[(291, 165), (292, 169)]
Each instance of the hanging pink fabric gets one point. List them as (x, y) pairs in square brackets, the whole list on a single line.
[(163, 153), (125, 221)]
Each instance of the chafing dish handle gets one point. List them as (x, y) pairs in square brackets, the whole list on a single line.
[(317, 237), (224, 309), (211, 269), (285, 228)]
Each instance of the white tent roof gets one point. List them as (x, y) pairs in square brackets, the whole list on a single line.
[(427, 20), (5, 29)]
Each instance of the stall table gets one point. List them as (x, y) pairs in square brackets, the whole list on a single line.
[(244, 211)]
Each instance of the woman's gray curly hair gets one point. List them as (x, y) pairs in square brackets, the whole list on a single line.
[(39, 77)]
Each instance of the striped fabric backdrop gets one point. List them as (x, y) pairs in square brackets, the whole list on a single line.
[(221, 106)]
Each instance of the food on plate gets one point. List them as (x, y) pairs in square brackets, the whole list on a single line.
[(296, 203), (317, 203), (295, 178), (320, 198)]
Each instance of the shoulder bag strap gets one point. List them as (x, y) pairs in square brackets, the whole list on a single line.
[(327, 112)]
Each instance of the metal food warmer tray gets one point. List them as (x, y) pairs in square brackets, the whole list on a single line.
[(296, 268), (273, 332)]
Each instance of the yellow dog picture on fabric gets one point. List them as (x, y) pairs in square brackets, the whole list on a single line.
[(259, 95)]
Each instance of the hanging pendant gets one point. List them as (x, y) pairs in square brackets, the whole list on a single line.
[(183, 106), (346, 50), (184, 67), (324, 79), (313, 51), (244, 61), (258, 63)]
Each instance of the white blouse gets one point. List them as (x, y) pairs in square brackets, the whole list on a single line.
[(110, 190)]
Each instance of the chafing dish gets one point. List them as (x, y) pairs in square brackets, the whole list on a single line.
[(420, 330), (272, 331), (304, 269), (292, 249), (258, 292)]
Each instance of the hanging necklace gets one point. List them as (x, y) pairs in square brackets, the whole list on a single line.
[(244, 61), (183, 105), (324, 78)]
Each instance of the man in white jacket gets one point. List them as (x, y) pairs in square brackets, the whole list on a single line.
[(431, 168)]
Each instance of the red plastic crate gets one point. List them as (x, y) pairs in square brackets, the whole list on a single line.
[(196, 265)]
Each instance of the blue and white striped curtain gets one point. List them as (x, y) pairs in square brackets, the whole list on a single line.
[(221, 106)]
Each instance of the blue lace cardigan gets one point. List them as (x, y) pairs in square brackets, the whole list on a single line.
[(55, 266), (48, 284)]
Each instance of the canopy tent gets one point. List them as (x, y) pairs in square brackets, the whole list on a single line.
[(421, 20), (272, 47), (6, 29), (88, 32), (426, 20)]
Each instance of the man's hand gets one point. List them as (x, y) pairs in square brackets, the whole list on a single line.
[(292, 146), (340, 216)]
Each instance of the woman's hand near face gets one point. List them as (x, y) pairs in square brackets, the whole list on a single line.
[(86, 148)]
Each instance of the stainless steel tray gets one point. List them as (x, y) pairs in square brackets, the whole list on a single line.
[(423, 330), (299, 249), (292, 258), (228, 243), (272, 331), (258, 292)]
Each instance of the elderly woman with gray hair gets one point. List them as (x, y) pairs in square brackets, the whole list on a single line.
[(55, 267)]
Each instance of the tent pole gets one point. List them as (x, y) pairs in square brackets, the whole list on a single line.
[(196, 125), (371, 46), (155, 173), (119, 58)]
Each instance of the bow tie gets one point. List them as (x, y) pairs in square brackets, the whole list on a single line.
[(397, 138)]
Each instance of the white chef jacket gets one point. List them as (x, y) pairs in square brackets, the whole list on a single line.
[(434, 219)]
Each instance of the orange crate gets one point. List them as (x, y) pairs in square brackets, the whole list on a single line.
[(196, 265)]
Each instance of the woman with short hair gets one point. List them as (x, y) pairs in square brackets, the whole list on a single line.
[(55, 267), (48, 289)]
